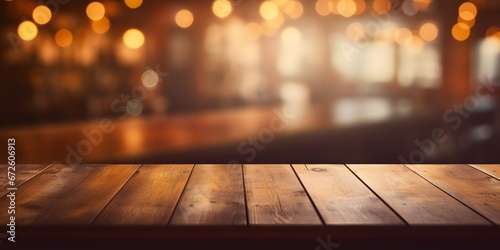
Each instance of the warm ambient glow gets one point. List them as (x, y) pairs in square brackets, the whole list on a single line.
[(294, 9), (95, 11), (428, 32), (422, 5), (101, 26), (460, 31), (133, 38), (290, 35), (346, 8), (222, 8), (269, 10), (467, 11), (133, 4), (322, 7), (64, 38), (27, 30), (360, 6), (42, 14), (403, 36), (381, 6), (355, 31), (253, 31), (184, 18)]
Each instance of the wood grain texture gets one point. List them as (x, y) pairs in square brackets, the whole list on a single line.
[(213, 196), (477, 190), (491, 169), (148, 198), (341, 198), (23, 172), (68, 195), (275, 196), (415, 199)]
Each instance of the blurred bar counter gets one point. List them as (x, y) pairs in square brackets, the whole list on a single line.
[(355, 130)]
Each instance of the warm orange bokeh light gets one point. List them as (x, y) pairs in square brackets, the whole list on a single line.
[(95, 11), (64, 38), (269, 10), (460, 31), (133, 38), (222, 8), (42, 14), (27, 31), (467, 11), (101, 26), (428, 32), (184, 18), (133, 4), (381, 7)]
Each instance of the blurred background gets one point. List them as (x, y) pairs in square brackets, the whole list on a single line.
[(274, 81)]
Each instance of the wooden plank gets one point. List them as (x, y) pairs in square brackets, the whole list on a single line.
[(477, 190), (491, 169), (275, 196), (413, 198), (341, 198), (23, 172), (149, 198), (68, 195), (213, 196)]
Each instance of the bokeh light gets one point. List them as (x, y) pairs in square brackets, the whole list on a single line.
[(42, 14), (469, 23), (381, 7), (133, 38), (64, 38), (269, 10), (27, 31), (409, 8), (222, 8), (133, 4), (150, 78), (360, 6), (346, 8), (95, 11), (460, 31), (322, 7), (184, 18), (101, 26), (277, 22), (467, 11), (428, 32), (294, 9), (422, 5)]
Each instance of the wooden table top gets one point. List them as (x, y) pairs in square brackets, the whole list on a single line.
[(249, 197)]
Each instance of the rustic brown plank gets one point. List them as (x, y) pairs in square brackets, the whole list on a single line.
[(213, 196), (275, 196), (23, 172), (341, 198), (491, 169), (477, 190), (68, 195), (413, 198), (148, 198)]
